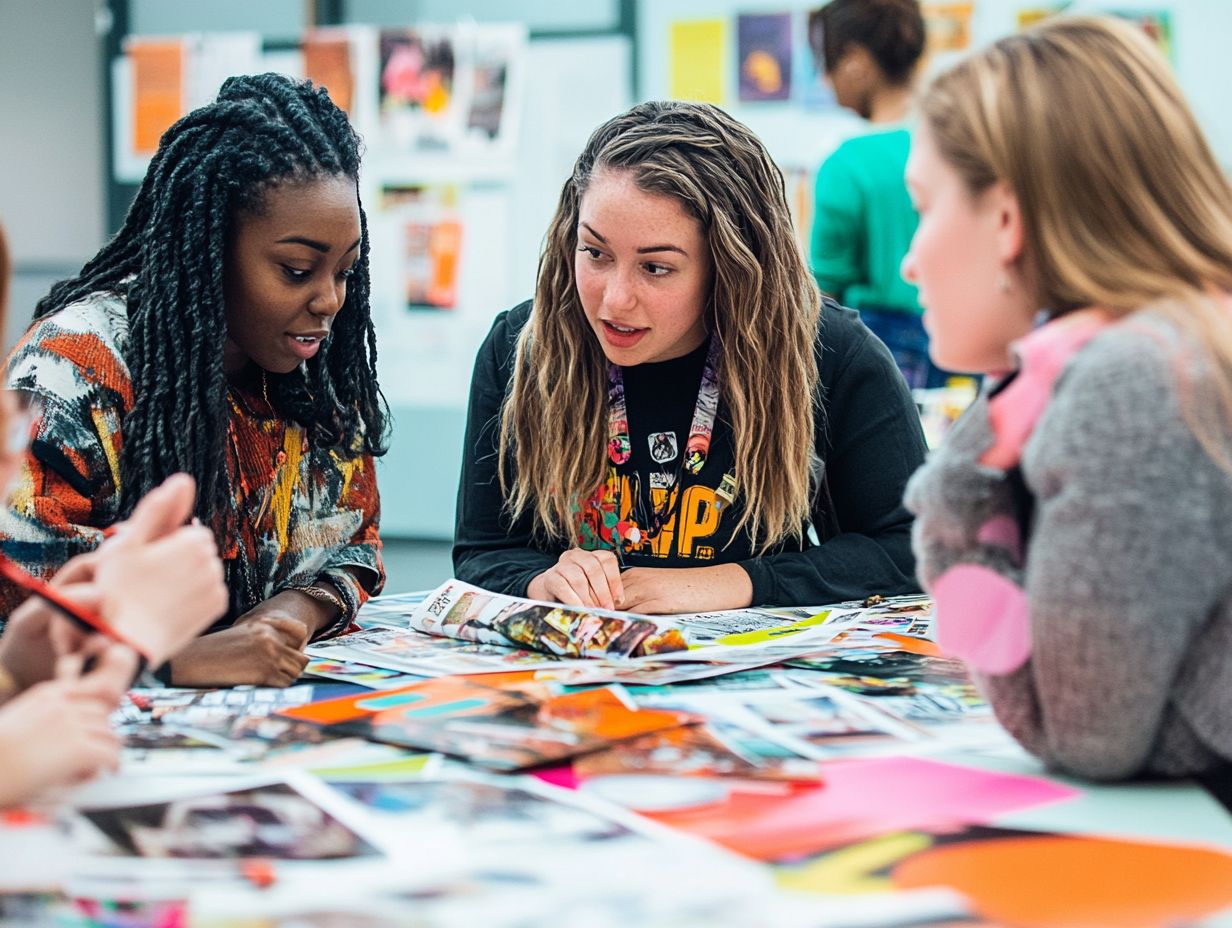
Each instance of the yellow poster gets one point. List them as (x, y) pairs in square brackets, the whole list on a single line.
[(697, 60), (1029, 16), (948, 26)]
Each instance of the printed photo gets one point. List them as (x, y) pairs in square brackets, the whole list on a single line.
[(487, 813), (709, 750), (376, 678), (835, 727), (524, 725), (459, 610), (272, 821)]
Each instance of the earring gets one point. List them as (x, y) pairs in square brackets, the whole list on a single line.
[(1003, 283)]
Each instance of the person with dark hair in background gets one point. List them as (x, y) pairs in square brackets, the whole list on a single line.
[(225, 333), (869, 51)]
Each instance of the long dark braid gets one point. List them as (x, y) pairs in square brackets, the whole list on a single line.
[(168, 259)]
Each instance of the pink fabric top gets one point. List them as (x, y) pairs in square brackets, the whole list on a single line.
[(1041, 357)]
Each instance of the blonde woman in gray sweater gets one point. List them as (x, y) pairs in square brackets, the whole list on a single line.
[(1075, 241)]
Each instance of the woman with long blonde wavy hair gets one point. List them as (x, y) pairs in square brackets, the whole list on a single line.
[(659, 428), (1075, 241)]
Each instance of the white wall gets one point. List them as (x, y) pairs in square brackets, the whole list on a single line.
[(51, 162)]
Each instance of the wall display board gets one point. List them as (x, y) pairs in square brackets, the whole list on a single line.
[(439, 93), (732, 54), (501, 211), (469, 130), (471, 126)]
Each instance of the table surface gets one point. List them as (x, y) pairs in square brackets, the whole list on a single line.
[(1168, 812)]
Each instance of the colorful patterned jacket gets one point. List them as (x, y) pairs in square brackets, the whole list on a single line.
[(298, 514)]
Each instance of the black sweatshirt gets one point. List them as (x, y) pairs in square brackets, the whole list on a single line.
[(867, 434)]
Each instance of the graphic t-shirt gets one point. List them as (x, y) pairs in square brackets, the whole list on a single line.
[(660, 400), (866, 432)]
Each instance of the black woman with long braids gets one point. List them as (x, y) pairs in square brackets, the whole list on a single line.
[(225, 333)]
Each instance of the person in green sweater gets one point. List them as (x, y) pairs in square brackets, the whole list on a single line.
[(869, 51)]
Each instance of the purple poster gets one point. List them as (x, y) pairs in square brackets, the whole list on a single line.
[(763, 41)]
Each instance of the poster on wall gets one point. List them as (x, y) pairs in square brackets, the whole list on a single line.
[(158, 80), (158, 90), (328, 63), (428, 229), (764, 53), (494, 55), (947, 26), (1157, 24), (450, 90), (1029, 16), (696, 60), (416, 88)]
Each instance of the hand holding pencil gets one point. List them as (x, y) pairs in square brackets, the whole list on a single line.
[(153, 586)]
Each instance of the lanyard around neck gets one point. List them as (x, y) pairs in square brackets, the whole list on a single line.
[(697, 447)]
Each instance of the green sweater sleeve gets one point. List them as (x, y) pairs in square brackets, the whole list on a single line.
[(837, 249)]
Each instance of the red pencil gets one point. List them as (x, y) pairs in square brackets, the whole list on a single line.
[(83, 618)]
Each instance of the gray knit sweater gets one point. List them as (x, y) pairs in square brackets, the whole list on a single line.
[(1128, 560)]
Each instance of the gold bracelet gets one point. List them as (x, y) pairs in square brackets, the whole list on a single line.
[(9, 687)]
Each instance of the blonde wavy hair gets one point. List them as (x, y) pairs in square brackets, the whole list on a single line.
[(1123, 204), (763, 308)]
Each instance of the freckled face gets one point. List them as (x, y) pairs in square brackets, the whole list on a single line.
[(286, 272), (642, 269)]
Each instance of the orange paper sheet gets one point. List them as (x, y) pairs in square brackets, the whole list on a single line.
[(1051, 881), (327, 63), (158, 90)]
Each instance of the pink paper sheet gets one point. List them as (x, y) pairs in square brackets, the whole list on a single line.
[(862, 798), (559, 775)]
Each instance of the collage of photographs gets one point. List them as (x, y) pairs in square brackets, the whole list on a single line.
[(827, 758)]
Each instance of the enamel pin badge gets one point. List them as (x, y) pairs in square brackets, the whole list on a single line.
[(663, 447)]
